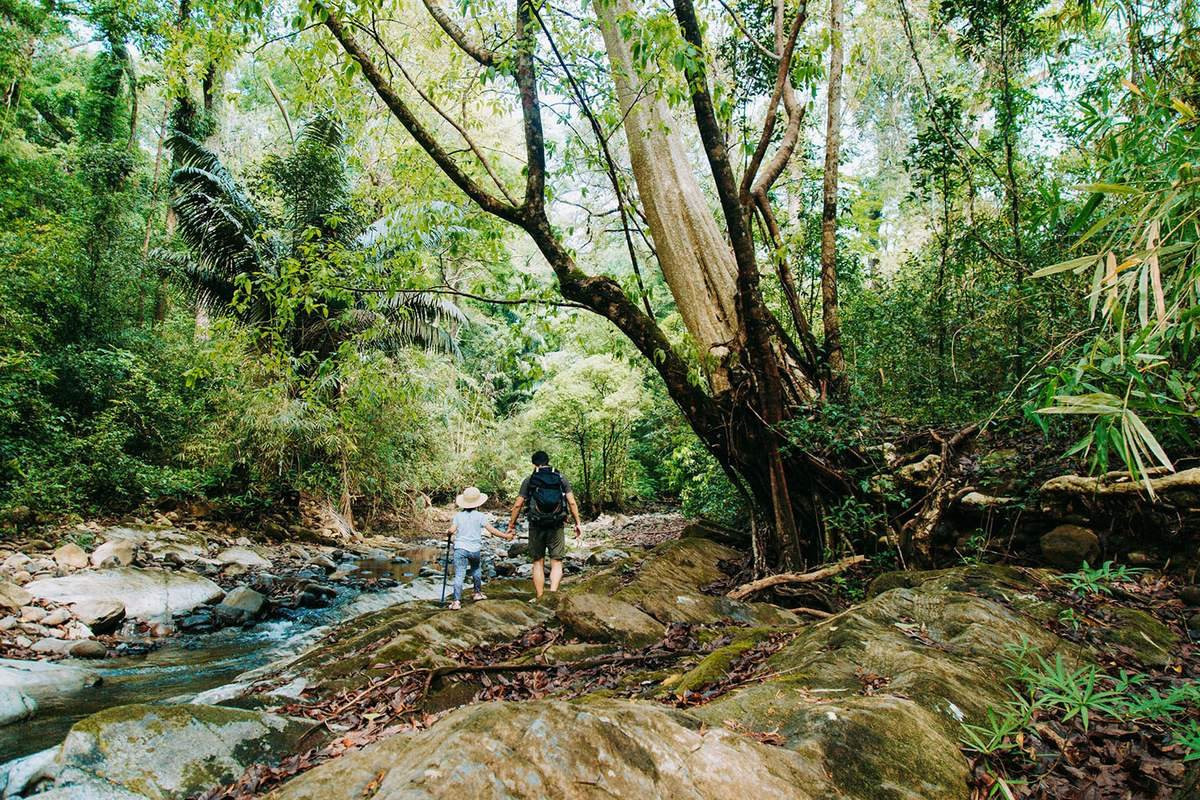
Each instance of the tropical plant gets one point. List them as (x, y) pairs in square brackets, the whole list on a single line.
[(1099, 580), (295, 273)]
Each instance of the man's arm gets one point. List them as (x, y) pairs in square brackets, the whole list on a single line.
[(516, 510), (575, 513)]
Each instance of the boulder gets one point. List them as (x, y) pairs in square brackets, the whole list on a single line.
[(56, 617), (145, 593), (1190, 595), (115, 552), (518, 548), (43, 680), (87, 648), (102, 616), (243, 603), (244, 557), (33, 614), (17, 562), (194, 747), (606, 557), (71, 556), (13, 597), (15, 705), (1068, 546), (51, 645), (20, 776), (606, 619), (556, 749)]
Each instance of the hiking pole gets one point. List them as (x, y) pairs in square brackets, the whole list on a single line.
[(445, 568)]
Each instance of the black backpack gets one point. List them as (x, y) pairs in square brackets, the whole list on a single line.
[(547, 500)]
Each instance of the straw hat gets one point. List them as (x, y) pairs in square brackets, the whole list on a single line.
[(471, 497)]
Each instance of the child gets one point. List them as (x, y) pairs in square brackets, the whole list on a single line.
[(467, 527)]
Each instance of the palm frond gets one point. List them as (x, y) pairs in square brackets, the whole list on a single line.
[(324, 130), (415, 320), (217, 184)]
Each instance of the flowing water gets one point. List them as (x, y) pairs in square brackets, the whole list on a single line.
[(190, 664)]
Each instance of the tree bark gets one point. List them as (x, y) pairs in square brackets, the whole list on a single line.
[(696, 261), (829, 280)]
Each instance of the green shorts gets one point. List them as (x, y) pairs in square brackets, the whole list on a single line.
[(547, 540)]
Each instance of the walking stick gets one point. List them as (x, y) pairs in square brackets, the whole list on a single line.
[(445, 568)]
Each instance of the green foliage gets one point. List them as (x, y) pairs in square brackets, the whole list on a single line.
[(590, 407), (1099, 580)]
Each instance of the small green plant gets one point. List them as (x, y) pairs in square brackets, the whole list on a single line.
[(1099, 580), (999, 733), (1189, 739), (974, 549), (1074, 692), (1070, 618)]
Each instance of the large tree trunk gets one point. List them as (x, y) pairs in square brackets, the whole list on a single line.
[(692, 251)]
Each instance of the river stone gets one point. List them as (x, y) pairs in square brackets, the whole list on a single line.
[(56, 617), (87, 648), (1068, 546), (606, 619), (605, 557), (33, 614), (20, 775), (71, 556), (145, 593), (242, 603), (15, 705), (13, 597), (554, 749), (102, 616), (17, 562), (243, 557), (51, 645), (119, 552), (44, 680), (194, 747)]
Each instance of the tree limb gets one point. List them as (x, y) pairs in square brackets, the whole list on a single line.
[(828, 571), (483, 55)]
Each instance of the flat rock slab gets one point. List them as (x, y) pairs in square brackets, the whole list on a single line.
[(573, 751), (146, 593), (606, 619), (44, 680), (170, 751)]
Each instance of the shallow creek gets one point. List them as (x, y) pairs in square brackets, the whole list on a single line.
[(186, 665)]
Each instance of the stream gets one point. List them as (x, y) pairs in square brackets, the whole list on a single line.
[(186, 665)]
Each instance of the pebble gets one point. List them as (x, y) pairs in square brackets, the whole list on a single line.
[(87, 648), (32, 614), (1190, 595)]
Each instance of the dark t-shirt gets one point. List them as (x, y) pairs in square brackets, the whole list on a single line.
[(566, 486)]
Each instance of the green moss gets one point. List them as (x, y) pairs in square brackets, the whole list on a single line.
[(716, 664), (1149, 639)]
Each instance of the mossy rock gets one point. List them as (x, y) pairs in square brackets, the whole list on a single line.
[(1149, 639), (171, 751), (716, 664), (597, 748)]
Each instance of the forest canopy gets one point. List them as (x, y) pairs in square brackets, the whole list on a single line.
[(722, 253)]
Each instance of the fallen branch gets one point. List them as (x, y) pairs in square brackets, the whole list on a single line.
[(747, 589)]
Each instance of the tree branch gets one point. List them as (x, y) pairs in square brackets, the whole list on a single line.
[(747, 589), (400, 109), (484, 56)]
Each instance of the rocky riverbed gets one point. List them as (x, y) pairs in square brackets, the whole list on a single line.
[(643, 679)]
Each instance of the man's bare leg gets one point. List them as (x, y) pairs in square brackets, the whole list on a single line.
[(539, 577), (555, 574)]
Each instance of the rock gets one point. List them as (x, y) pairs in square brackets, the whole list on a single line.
[(32, 614), (77, 630), (8, 623), (555, 749), (102, 616), (605, 557), (21, 577), (606, 619), (87, 648), (518, 548), (13, 597), (244, 557), (323, 563), (71, 556), (15, 705), (243, 603), (17, 562), (146, 593), (194, 747), (524, 571), (1190, 595), (43, 680), (51, 645), (1193, 623), (1068, 546), (1140, 558), (922, 473), (56, 617), (21, 776), (115, 552)]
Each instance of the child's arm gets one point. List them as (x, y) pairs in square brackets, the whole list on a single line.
[(496, 532)]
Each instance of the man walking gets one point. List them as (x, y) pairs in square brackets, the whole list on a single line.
[(548, 496)]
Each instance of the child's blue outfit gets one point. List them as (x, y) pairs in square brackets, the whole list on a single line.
[(468, 546)]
